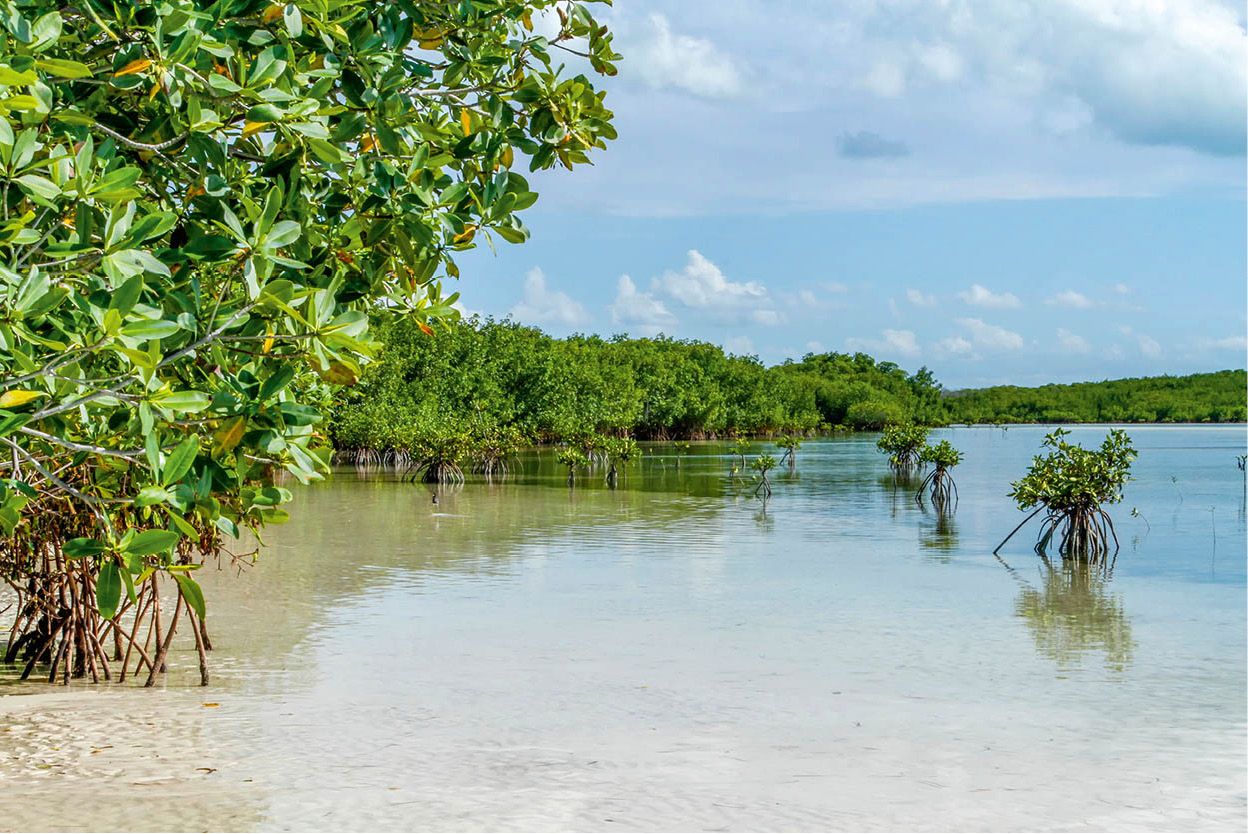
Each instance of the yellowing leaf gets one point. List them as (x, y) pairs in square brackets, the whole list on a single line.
[(16, 397), (465, 236), (527, 20), (252, 127), (339, 373), (227, 437), (133, 67), (508, 156), (271, 14), (368, 144), (268, 344), (465, 120), (424, 328)]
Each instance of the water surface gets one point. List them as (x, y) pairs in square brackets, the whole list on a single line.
[(669, 655)]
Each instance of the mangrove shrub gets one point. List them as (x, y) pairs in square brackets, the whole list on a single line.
[(1071, 485), (939, 482), (903, 443), (201, 204)]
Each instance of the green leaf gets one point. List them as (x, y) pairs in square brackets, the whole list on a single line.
[(187, 401), (126, 295), (191, 592), (62, 68), (150, 542), (108, 589), (151, 494), (79, 548), (293, 20), (180, 460), (150, 329), (265, 113), (39, 186)]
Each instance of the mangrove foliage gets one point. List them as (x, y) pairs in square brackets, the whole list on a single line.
[(204, 208)]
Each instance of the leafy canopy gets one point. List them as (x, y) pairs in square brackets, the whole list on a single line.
[(943, 455), (201, 201), (902, 443), (1071, 478)]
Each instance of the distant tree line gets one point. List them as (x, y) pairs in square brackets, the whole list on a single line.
[(1197, 398), (483, 376)]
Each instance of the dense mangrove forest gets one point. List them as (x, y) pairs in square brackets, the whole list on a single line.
[(1197, 398), (488, 377)]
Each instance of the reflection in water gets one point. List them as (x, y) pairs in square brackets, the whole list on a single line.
[(1073, 613), (901, 487), (941, 535), (672, 655)]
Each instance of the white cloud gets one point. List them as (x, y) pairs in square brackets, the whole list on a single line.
[(894, 343), (1149, 346), (1239, 343), (815, 347), (642, 309), (1122, 289), (769, 318), (1072, 342), (544, 306), (702, 287), (980, 296), (1149, 72), (835, 286), (701, 284), (739, 345), (955, 346), (1071, 299), (695, 65), (990, 336), (919, 299)]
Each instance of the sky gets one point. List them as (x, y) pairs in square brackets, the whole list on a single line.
[(1005, 191)]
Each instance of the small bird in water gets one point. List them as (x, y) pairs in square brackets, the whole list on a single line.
[(435, 498)]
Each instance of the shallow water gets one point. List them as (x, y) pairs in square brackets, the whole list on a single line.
[(668, 656)]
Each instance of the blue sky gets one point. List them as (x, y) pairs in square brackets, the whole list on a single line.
[(1002, 190)]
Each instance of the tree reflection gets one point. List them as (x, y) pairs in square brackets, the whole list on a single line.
[(942, 536), (1073, 613)]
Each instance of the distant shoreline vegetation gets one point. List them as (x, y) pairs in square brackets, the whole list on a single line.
[(483, 376)]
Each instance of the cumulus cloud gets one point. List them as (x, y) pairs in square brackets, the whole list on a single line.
[(640, 309), (1072, 342), (694, 65), (867, 145), (702, 286), (1149, 72), (892, 343), (1147, 344), (739, 345), (544, 306), (980, 296), (955, 346), (920, 299), (1071, 300), (1122, 289), (990, 336)]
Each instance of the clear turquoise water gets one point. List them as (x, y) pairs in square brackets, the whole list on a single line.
[(670, 656)]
